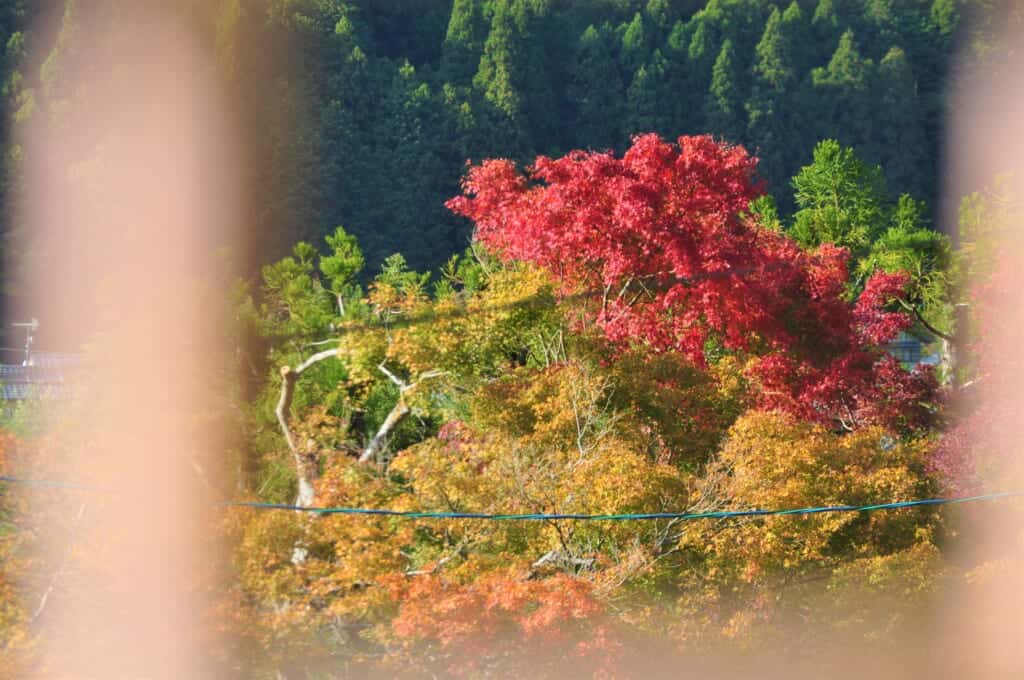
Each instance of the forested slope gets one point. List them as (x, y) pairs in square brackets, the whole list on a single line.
[(364, 112)]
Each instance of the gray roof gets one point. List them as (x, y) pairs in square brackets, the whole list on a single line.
[(22, 391), (46, 378)]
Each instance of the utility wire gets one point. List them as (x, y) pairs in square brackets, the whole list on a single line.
[(543, 517)]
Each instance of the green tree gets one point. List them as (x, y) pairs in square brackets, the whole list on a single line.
[(460, 53), (796, 28), (701, 49), (686, 101), (843, 200), (342, 266), (409, 171), (908, 245), (773, 109), (882, 25), (774, 67), (899, 140), (843, 94), (645, 98), (945, 17), (635, 45), (840, 200), (596, 90), (826, 20), (53, 76), (512, 76), (499, 76), (660, 17), (540, 77), (723, 108)]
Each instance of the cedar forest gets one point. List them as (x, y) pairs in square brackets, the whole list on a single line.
[(652, 258)]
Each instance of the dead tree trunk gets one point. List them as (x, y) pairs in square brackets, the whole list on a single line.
[(305, 457), (306, 467)]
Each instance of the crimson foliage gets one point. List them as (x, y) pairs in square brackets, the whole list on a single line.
[(663, 234)]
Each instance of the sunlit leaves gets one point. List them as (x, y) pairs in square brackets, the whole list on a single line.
[(776, 566), (662, 239)]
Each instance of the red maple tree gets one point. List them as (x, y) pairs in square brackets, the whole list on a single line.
[(665, 238)]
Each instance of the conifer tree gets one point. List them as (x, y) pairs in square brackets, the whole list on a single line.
[(645, 105), (660, 15), (840, 200), (843, 94), (498, 78), (686, 102), (724, 105), (596, 91), (773, 67), (772, 109), (883, 25), (460, 54), (945, 17), (701, 50), (700, 54), (52, 74), (796, 28), (635, 46), (827, 27), (899, 138), (408, 161), (537, 72)]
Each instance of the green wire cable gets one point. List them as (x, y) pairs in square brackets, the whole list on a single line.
[(544, 517)]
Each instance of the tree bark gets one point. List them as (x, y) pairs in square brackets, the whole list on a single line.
[(376, 445), (396, 416), (306, 467)]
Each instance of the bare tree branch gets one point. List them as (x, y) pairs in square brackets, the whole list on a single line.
[(398, 412), (924, 322), (558, 558), (402, 385), (306, 470), (316, 358), (458, 551), (328, 341), (971, 383), (376, 445), (44, 600)]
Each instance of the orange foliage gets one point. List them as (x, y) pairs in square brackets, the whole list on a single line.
[(504, 623)]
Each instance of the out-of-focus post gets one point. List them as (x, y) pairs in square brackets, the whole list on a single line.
[(131, 193)]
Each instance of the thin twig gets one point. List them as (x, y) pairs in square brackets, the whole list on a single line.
[(44, 600), (924, 322)]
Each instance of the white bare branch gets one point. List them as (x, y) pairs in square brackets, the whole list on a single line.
[(316, 358), (402, 385), (44, 600), (305, 461), (398, 412)]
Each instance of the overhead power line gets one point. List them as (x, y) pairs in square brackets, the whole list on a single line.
[(540, 517)]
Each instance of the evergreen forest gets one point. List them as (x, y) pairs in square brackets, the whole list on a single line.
[(363, 113)]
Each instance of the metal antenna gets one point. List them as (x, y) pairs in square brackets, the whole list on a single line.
[(30, 328)]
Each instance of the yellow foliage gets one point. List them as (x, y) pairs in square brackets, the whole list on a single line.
[(841, 568)]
